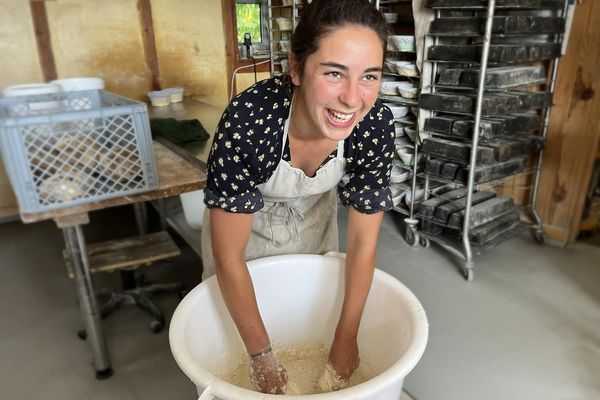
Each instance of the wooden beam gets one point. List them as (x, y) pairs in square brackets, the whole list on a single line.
[(145, 14), (574, 131), (42, 38), (230, 31)]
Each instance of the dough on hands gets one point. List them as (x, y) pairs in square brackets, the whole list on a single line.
[(293, 389), (330, 381), (268, 368)]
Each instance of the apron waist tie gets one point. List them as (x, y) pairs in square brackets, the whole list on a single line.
[(292, 216)]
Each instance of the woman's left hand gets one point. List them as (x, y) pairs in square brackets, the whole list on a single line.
[(344, 357)]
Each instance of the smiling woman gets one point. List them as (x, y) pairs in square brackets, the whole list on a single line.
[(280, 150)]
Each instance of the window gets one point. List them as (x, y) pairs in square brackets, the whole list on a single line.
[(233, 44), (248, 21), (251, 17)]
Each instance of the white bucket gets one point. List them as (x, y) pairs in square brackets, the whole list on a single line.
[(74, 84), (29, 89), (193, 208), (300, 297)]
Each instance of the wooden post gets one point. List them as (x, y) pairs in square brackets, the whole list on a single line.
[(145, 15), (230, 31), (574, 130), (42, 37)]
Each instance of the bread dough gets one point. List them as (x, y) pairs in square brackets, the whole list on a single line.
[(330, 381), (305, 364)]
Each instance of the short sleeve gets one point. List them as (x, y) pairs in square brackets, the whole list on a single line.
[(246, 148), (370, 163), (231, 184)]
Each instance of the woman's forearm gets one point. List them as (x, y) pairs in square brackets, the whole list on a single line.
[(230, 233), (363, 231), (360, 264), (238, 292)]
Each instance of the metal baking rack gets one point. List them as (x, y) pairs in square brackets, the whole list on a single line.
[(459, 242)]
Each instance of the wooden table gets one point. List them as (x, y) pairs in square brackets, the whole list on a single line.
[(178, 173)]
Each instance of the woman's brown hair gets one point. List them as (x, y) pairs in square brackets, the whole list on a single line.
[(321, 17)]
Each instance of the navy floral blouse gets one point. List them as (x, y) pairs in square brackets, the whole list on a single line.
[(247, 147)]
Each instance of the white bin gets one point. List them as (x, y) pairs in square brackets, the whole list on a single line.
[(193, 208), (300, 297)]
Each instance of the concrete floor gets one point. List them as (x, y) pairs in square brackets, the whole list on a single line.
[(527, 327)]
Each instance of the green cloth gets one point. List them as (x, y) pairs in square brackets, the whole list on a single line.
[(178, 131)]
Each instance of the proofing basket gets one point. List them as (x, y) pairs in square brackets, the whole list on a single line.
[(72, 148)]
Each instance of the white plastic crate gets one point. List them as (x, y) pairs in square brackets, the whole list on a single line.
[(72, 148)]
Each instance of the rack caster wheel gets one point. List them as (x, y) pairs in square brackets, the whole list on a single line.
[(469, 274), (156, 326), (424, 242), (82, 334), (104, 374), (538, 236), (411, 237)]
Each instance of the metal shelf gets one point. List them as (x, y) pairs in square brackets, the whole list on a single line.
[(452, 244), (383, 3), (401, 209), (399, 100), (499, 180)]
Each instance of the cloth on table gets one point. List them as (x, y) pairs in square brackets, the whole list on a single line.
[(178, 131)]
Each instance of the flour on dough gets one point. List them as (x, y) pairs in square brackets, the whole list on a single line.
[(305, 363)]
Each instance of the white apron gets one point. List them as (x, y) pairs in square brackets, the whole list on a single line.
[(299, 215)]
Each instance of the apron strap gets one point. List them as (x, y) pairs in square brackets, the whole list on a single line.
[(286, 128), (293, 215), (340, 150)]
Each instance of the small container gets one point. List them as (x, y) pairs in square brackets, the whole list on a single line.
[(285, 65), (407, 68), (403, 141), (175, 94), (398, 130), (397, 110), (399, 174), (407, 90), (411, 133), (402, 42), (71, 84), (284, 24), (35, 89), (389, 86), (30, 89), (419, 196), (390, 18), (285, 45), (397, 194), (406, 154), (389, 65), (160, 98)]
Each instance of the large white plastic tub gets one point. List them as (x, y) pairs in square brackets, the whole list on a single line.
[(300, 297)]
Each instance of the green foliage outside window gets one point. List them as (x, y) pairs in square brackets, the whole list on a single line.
[(248, 20)]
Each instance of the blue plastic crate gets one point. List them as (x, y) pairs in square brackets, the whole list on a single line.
[(72, 148)]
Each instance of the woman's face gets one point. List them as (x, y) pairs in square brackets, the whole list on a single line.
[(339, 84)]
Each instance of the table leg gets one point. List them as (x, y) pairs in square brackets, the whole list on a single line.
[(90, 312), (162, 214), (141, 217)]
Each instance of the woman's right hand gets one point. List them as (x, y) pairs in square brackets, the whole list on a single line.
[(268, 374)]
